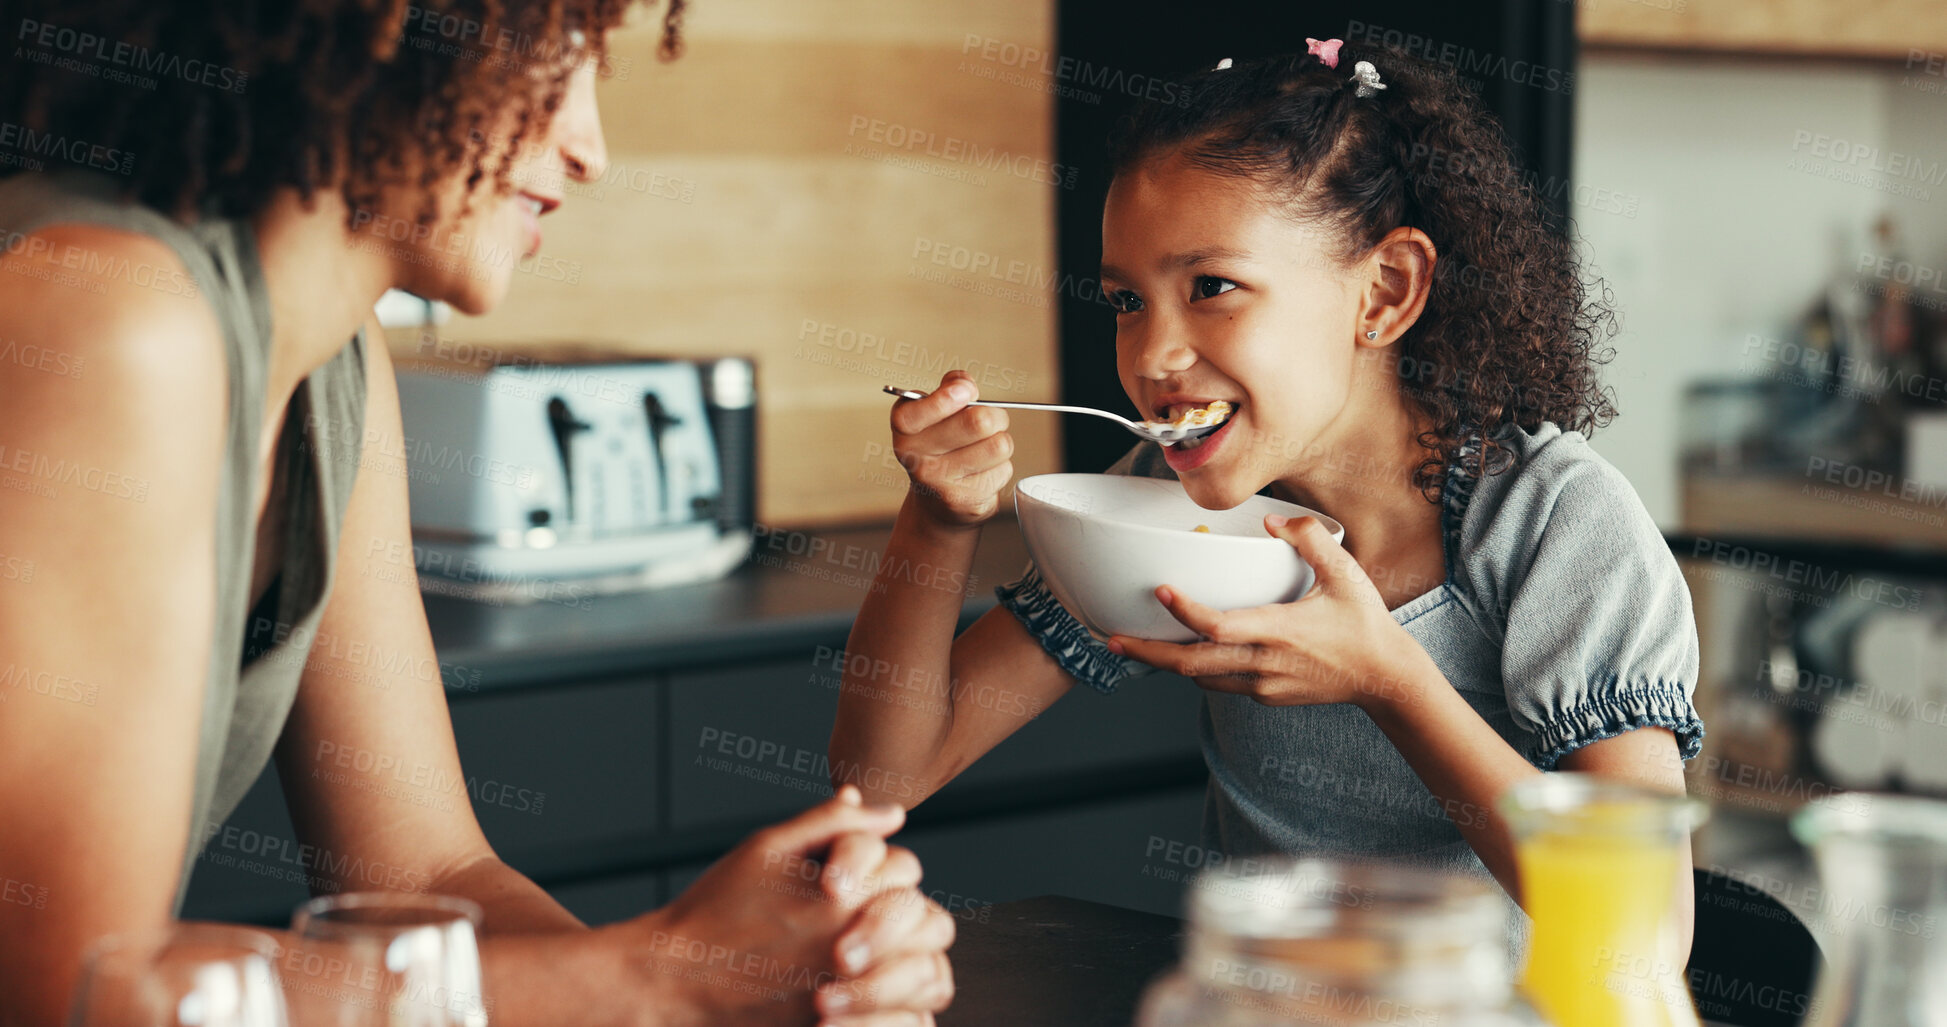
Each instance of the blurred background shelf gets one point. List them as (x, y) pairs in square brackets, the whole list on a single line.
[(1873, 29), (1800, 512)]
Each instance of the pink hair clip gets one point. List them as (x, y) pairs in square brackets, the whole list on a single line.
[(1327, 50)]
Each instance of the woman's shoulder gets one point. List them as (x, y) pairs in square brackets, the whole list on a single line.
[(1556, 502), (73, 231), (108, 342), (114, 389), (104, 296)]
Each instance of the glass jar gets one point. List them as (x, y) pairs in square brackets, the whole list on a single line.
[(1600, 862), (1882, 861), (1341, 944)]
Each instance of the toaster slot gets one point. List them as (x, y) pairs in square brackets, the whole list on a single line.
[(660, 421), (566, 426)]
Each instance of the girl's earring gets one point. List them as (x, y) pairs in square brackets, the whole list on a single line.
[(1372, 334)]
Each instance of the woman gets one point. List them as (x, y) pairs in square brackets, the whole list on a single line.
[(201, 207)]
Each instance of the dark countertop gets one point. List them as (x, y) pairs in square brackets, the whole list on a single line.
[(799, 589), (1058, 962)]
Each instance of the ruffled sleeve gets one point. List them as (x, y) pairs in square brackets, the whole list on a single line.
[(1079, 653), (1598, 637)]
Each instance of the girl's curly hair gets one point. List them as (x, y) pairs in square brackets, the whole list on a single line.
[(219, 105), (1512, 334)]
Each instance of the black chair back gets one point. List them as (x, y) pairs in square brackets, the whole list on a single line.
[(1752, 961)]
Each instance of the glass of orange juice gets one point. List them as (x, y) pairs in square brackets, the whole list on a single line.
[(1599, 862)]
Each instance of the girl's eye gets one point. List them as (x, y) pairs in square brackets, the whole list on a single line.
[(1125, 302), (1210, 285)]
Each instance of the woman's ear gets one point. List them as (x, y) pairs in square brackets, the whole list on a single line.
[(1398, 273)]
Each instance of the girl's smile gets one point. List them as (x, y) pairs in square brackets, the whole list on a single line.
[(1194, 453)]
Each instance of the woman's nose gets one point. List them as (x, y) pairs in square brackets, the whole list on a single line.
[(578, 128)]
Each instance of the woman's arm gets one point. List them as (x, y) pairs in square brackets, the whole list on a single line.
[(746, 944), (917, 706), (111, 446), (542, 965), (371, 696)]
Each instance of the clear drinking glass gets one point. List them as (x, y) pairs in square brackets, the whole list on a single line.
[(185, 975), (1341, 944), (385, 959), (1600, 862), (1882, 863)]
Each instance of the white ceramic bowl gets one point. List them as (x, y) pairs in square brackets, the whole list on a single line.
[(1105, 541)]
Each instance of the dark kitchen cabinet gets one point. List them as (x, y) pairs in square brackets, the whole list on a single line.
[(749, 743), (613, 752), (1110, 851), (252, 868), (570, 765)]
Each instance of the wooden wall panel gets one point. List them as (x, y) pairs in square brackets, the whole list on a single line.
[(772, 193)]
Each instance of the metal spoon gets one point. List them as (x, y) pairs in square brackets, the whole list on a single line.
[(1168, 435)]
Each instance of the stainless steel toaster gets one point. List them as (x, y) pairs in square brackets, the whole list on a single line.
[(542, 481)]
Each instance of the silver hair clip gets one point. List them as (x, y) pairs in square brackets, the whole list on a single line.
[(1367, 77), (1222, 65)]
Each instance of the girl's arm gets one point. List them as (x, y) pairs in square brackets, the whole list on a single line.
[(1648, 756), (1467, 765), (1339, 644), (1460, 758), (917, 706)]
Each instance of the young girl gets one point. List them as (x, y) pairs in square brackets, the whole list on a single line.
[(1346, 254), (190, 503)]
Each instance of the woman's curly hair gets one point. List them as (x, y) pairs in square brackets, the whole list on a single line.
[(219, 105), (1511, 334)]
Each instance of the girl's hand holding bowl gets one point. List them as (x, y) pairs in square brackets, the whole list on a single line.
[(958, 457), (1337, 644)]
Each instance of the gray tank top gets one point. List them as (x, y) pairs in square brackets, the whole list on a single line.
[(256, 655)]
